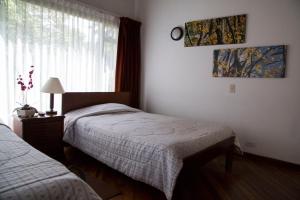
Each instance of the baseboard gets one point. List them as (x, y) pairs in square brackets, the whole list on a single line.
[(270, 160)]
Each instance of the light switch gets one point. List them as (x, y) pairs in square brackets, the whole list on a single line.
[(232, 88)]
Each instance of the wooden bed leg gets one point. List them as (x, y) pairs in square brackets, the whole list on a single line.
[(229, 160)]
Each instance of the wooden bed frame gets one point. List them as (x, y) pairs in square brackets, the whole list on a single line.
[(76, 100)]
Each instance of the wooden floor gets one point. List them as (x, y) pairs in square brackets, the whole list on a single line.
[(251, 178)]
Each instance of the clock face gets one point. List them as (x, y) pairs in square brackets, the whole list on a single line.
[(176, 33)]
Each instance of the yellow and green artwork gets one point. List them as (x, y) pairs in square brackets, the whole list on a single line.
[(225, 30), (250, 62)]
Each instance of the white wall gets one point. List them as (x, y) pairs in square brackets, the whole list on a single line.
[(123, 8), (178, 81)]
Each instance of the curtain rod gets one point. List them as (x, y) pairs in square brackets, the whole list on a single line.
[(96, 8), (81, 3)]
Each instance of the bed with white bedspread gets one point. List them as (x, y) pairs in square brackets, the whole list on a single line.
[(146, 147), (26, 173)]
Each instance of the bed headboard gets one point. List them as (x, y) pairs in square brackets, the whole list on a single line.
[(76, 100)]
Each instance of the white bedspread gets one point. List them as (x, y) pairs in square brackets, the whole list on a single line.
[(26, 173), (146, 147)]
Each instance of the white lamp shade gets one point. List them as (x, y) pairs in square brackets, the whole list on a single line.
[(53, 85)]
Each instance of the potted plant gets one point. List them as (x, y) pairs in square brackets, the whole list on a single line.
[(25, 110)]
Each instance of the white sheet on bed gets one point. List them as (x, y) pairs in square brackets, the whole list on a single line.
[(26, 173), (146, 147)]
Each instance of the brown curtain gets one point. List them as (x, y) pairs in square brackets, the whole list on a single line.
[(128, 67)]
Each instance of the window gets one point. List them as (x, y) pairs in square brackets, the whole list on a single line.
[(65, 39)]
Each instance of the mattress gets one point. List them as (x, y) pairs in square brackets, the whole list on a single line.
[(26, 173), (146, 147)]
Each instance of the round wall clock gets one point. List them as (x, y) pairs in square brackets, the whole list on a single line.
[(176, 33)]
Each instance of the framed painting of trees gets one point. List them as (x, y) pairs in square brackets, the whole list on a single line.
[(251, 62), (225, 30)]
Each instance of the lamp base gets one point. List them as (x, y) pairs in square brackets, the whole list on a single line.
[(52, 112)]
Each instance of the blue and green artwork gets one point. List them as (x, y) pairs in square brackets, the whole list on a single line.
[(250, 62)]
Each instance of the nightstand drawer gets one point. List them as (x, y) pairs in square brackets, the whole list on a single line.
[(43, 130)]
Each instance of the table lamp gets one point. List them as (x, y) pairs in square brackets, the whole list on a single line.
[(52, 86)]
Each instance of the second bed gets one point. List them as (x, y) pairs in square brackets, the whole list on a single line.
[(147, 147)]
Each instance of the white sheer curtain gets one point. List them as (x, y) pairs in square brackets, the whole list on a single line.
[(61, 38)]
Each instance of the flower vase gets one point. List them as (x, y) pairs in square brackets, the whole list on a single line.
[(24, 98), (25, 111)]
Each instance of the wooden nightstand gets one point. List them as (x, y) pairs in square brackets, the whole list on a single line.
[(43, 133)]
